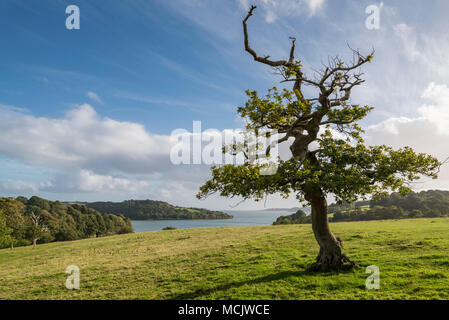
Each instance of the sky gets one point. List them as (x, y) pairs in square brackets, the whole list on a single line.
[(87, 114)]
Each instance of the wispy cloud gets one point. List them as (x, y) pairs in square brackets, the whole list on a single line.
[(43, 79), (315, 5), (93, 96), (275, 9), (198, 106), (12, 108)]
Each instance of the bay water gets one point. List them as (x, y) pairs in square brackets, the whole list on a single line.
[(241, 218)]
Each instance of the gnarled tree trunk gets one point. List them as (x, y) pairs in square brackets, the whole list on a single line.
[(330, 254)]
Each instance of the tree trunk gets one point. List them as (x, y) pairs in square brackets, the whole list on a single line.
[(34, 243), (330, 255)]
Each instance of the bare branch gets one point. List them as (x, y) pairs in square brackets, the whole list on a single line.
[(256, 57), (292, 51), (337, 65), (279, 141), (442, 163)]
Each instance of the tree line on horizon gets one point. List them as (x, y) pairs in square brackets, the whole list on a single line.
[(155, 210), (31, 221), (425, 204)]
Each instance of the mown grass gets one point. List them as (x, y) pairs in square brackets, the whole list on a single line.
[(236, 263)]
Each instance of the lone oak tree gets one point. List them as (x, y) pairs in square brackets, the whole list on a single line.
[(329, 156)]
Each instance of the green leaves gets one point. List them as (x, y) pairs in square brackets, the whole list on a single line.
[(350, 171), (347, 113), (5, 232), (277, 110), (292, 70)]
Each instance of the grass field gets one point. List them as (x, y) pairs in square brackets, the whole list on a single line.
[(236, 263)]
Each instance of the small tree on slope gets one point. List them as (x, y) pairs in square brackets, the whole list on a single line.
[(37, 229), (322, 162), (6, 239)]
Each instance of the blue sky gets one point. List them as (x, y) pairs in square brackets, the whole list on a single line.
[(144, 61), (86, 114)]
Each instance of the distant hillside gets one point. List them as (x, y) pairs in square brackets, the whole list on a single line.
[(155, 210), (300, 217), (24, 221), (426, 204), (294, 209)]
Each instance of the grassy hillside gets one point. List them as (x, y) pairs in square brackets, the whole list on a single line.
[(236, 262)]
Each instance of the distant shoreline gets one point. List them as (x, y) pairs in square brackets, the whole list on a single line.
[(289, 210), (183, 219)]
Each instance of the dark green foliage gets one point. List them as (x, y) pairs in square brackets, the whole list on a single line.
[(5, 233), (155, 210), (426, 204), (47, 221), (335, 207), (300, 217)]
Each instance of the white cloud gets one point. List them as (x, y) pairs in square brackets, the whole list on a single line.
[(434, 114), (76, 182), (428, 132), (81, 140), (438, 111), (91, 182), (315, 5), (93, 96), (424, 50), (18, 186), (408, 37)]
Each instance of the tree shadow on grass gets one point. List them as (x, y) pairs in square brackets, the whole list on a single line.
[(269, 278)]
